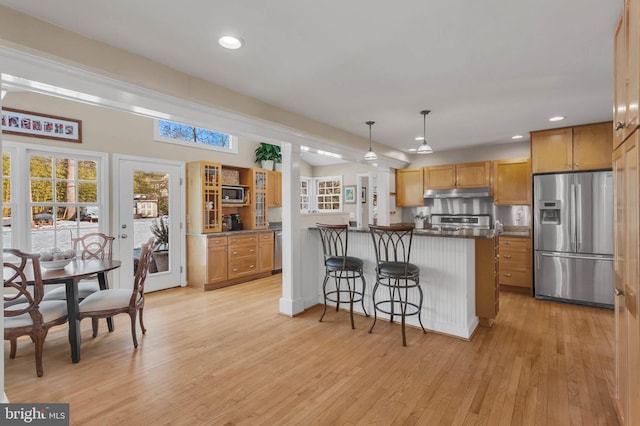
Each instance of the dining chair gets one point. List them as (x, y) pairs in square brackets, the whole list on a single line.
[(392, 245), (345, 270), (35, 317), (110, 302), (94, 245)]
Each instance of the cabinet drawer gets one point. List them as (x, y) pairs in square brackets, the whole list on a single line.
[(241, 251), (241, 240), (265, 236), (216, 241), (516, 258), (514, 277), (514, 243), (241, 267)]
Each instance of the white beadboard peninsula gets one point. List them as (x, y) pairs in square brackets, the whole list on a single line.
[(457, 276)]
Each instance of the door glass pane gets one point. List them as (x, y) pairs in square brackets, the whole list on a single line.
[(150, 217)]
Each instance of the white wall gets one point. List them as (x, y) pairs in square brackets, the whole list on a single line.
[(468, 155)]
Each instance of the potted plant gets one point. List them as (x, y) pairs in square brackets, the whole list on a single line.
[(160, 229), (266, 154), (278, 159)]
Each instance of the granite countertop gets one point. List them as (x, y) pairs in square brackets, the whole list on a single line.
[(227, 233), (475, 234)]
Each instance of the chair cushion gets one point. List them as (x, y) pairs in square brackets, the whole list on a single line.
[(85, 288), (51, 310), (397, 269), (106, 299), (16, 301), (350, 263)]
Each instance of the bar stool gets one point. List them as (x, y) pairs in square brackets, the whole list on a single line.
[(341, 267), (392, 245)]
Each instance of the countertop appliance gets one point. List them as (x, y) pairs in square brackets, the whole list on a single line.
[(232, 194), (236, 222), (456, 222), (573, 237)]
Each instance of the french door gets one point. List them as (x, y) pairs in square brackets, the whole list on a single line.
[(149, 201)]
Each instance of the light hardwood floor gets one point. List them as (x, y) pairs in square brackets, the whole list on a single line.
[(227, 357)]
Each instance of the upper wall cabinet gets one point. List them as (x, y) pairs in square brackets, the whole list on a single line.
[(204, 197), (577, 148), (467, 175), (409, 190), (626, 68), (512, 181)]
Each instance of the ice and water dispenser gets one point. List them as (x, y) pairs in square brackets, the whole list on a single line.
[(549, 212)]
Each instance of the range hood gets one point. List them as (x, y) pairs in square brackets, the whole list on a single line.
[(458, 193)]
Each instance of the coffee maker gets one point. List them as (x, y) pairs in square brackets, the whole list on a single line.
[(236, 223)]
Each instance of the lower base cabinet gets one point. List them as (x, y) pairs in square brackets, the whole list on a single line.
[(487, 286), (218, 261), (515, 265)]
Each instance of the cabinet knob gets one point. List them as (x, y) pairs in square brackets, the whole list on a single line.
[(619, 125), (235, 269), (234, 253), (252, 251), (252, 266), (506, 274), (507, 256), (507, 243), (618, 292), (576, 164)]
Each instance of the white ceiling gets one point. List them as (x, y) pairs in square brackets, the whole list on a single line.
[(487, 69)]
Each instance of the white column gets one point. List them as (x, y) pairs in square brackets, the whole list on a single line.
[(382, 183), (291, 302)]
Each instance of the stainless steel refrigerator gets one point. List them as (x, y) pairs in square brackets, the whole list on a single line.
[(573, 237)]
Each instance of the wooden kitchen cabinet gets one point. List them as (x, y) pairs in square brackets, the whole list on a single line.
[(487, 286), (255, 217), (473, 175), (466, 175), (242, 255), (586, 147), (512, 181), (207, 260), (204, 197), (409, 190), (515, 264), (592, 147), (265, 252), (274, 189), (626, 279), (440, 177), (626, 70)]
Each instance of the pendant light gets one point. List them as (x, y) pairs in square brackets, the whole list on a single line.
[(424, 148), (370, 155)]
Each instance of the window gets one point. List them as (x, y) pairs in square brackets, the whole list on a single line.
[(64, 197), (322, 194), (184, 134)]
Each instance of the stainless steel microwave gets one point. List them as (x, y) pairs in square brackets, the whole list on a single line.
[(232, 194)]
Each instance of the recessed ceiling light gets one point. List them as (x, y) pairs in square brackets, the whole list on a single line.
[(230, 42), (419, 138), (412, 149), (517, 137), (556, 118)]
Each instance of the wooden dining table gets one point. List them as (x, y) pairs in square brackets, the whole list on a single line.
[(70, 276)]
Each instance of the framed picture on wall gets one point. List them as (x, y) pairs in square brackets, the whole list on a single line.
[(363, 195), (350, 194), (27, 123)]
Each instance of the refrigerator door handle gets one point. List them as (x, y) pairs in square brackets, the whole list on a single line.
[(578, 256), (578, 217), (572, 219)]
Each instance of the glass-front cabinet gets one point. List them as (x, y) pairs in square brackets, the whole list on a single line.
[(257, 215), (204, 197)]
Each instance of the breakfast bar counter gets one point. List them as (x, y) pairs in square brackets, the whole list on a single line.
[(448, 274)]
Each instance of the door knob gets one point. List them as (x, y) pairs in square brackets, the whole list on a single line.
[(123, 236)]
